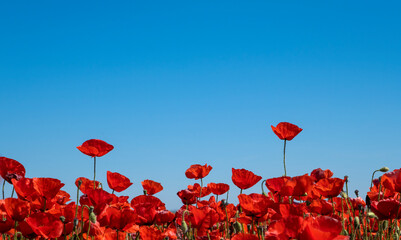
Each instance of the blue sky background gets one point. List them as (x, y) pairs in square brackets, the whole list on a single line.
[(174, 83)]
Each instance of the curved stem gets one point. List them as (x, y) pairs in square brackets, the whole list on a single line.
[(285, 170), (263, 191), (371, 182)]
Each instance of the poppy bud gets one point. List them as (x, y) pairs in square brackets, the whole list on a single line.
[(237, 227), (79, 183), (384, 169), (344, 195), (356, 193), (92, 217), (371, 215), (357, 222), (62, 219), (184, 226)]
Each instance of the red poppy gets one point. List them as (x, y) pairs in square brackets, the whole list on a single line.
[(47, 187), (120, 219), (95, 148), (322, 227), (117, 182), (196, 188), (197, 171), (45, 225), (255, 205), (286, 131), (24, 189), (150, 233), (146, 207), (151, 187), (218, 188), (11, 169), (202, 218), (6, 223), (17, 209), (318, 174), (244, 179), (163, 217), (86, 184), (330, 187), (392, 180), (187, 196), (245, 236), (387, 209)]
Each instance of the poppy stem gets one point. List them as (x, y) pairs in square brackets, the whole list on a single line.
[(285, 170), (12, 193), (373, 174), (94, 172), (4, 183)]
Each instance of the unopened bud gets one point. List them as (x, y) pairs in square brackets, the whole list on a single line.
[(184, 226), (371, 215), (92, 217), (344, 195), (384, 169), (357, 222), (62, 219), (237, 227)]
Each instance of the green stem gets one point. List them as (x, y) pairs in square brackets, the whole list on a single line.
[(94, 172), (285, 169), (4, 183), (12, 193), (371, 182)]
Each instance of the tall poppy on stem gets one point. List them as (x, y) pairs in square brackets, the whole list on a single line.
[(286, 131), (95, 148)]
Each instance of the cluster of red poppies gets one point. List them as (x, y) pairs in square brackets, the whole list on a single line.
[(311, 206)]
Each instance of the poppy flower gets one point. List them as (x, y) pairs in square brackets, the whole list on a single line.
[(45, 224), (187, 196), (150, 233), (330, 187), (197, 171), (11, 169), (151, 187), (17, 209), (199, 192), (117, 182), (47, 188), (244, 179), (86, 184), (255, 204), (245, 236), (387, 209), (286, 131), (147, 207), (24, 189), (318, 174), (95, 148), (218, 188), (392, 180)]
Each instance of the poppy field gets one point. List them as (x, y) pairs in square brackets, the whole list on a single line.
[(312, 206)]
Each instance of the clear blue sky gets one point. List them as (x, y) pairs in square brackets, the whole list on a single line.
[(174, 83)]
